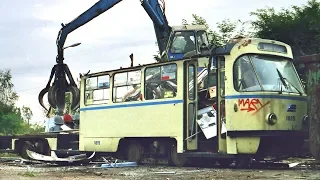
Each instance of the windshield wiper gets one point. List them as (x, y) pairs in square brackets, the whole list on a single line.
[(283, 80), (294, 86)]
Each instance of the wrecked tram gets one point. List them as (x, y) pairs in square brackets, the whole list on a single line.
[(243, 101)]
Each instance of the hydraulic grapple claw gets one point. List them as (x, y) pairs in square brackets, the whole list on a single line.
[(75, 92), (56, 97), (41, 95), (56, 92)]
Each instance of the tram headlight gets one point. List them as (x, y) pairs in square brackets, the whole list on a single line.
[(305, 119), (272, 118)]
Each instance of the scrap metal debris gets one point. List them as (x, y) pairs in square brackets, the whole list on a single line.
[(55, 158), (122, 164), (39, 160), (293, 164)]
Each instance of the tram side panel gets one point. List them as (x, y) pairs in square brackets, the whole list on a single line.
[(104, 125)]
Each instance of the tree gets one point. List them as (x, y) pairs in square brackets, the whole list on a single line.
[(300, 28), (10, 123), (27, 113), (7, 95), (227, 29), (11, 117), (297, 26)]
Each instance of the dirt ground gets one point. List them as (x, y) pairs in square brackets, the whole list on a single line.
[(17, 170)]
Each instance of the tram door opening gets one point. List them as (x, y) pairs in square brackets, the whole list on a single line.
[(190, 105), (221, 113)]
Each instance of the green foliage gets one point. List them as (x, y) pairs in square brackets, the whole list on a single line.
[(33, 129), (27, 113), (10, 123), (12, 156), (7, 95), (296, 26), (227, 29), (13, 119), (28, 174)]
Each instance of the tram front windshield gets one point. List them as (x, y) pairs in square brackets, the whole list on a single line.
[(266, 73)]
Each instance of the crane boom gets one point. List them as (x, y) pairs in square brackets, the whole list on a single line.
[(160, 23), (152, 7), (97, 9)]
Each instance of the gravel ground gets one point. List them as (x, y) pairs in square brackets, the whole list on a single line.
[(15, 171)]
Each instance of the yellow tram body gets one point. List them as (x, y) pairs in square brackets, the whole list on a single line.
[(261, 116), (249, 113)]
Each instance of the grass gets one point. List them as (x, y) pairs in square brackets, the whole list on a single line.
[(28, 174), (9, 155)]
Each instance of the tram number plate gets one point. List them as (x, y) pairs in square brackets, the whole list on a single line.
[(96, 142), (290, 118)]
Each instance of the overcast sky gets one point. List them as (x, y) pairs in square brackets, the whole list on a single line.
[(29, 29)]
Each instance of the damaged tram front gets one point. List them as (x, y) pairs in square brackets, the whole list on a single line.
[(170, 110)]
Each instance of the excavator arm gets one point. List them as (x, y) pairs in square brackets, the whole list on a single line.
[(97, 9), (162, 29), (60, 85), (152, 7)]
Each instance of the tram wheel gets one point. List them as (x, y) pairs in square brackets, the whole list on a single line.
[(26, 145), (175, 159), (134, 152), (36, 146)]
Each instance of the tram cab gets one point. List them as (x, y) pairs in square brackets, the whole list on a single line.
[(260, 102)]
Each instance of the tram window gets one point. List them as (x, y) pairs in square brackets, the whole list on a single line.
[(222, 76), (222, 79), (244, 77), (127, 86), (210, 80), (97, 90), (183, 42), (191, 82), (161, 82), (202, 40)]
